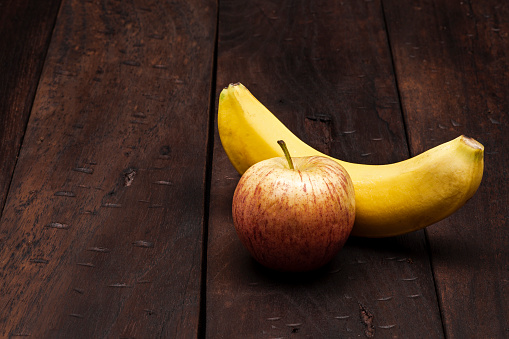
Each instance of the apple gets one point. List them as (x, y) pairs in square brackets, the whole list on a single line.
[(295, 214)]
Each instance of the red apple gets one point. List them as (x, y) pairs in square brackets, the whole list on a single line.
[(294, 215)]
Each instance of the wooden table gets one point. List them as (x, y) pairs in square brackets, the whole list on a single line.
[(116, 192)]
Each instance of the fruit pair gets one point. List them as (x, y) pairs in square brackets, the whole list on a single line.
[(390, 199)]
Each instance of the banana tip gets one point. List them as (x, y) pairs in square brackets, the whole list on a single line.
[(472, 142)]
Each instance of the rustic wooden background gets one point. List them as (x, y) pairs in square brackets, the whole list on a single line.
[(116, 192)]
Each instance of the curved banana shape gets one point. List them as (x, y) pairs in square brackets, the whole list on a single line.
[(390, 199)]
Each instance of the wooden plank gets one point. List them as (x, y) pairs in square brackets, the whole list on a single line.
[(102, 230), (325, 70), (452, 62), (25, 31)]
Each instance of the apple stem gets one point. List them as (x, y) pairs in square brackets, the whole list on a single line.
[(287, 154)]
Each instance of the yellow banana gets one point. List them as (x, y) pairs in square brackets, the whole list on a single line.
[(391, 199)]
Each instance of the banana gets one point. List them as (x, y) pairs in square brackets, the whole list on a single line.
[(390, 199)]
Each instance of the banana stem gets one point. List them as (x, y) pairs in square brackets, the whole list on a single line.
[(287, 154)]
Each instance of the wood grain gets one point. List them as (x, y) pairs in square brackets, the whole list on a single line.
[(452, 65), (103, 226), (25, 32), (107, 105), (324, 69)]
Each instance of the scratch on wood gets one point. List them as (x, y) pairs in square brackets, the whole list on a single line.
[(367, 320), (494, 121), (409, 279), (163, 182), (57, 225), (138, 122), (99, 249), (64, 72), (408, 260), (294, 324), (342, 317), (69, 194), (139, 115), (111, 205), (143, 243), (86, 264), (131, 63), (384, 298), (119, 285), (39, 261), (85, 170), (273, 318), (88, 212), (386, 326), (129, 176)]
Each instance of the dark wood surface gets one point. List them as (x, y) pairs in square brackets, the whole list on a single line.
[(25, 32), (116, 192), (454, 79)]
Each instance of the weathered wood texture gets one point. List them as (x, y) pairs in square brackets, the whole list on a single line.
[(101, 234), (324, 68), (102, 230), (452, 63), (25, 31)]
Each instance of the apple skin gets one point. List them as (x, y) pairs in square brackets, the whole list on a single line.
[(294, 220)]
